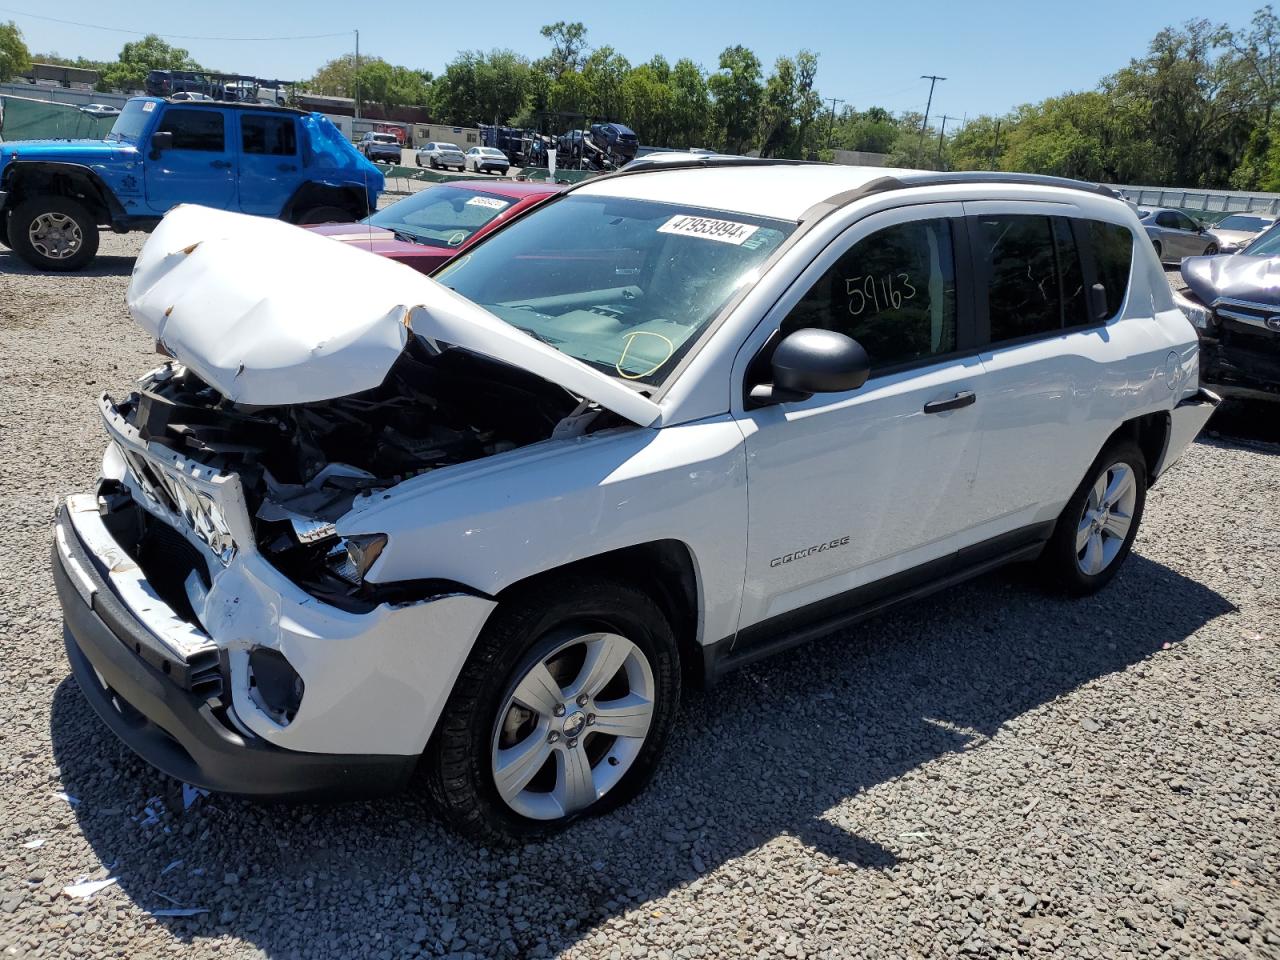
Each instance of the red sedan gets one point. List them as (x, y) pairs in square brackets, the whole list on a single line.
[(430, 227)]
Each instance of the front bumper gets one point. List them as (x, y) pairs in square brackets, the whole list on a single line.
[(171, 708)]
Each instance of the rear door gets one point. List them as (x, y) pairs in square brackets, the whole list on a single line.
[(1048, 405), (848, 489), (200, 167), (270, 163)]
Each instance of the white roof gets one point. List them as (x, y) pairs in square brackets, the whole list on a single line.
[(781, 191)]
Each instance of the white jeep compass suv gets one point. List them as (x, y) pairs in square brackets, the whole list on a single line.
[(677, 419)]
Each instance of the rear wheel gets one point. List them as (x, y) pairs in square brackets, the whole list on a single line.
[(53, 233), (1211, 250), (1095, 531), (325, 214), (1159, 250), (561, 711)]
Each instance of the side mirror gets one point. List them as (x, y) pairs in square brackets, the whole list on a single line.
[(810, 361), (161, 141)]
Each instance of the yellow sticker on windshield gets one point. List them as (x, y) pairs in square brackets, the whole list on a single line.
[(725, 231)]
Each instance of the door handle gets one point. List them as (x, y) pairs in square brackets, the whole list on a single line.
[(287, 167), (962, 399), (220, 164)]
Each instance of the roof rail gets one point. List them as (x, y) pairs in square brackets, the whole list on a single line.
[(955, 178)]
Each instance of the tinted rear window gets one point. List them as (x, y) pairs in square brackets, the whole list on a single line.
[(1113, 255)]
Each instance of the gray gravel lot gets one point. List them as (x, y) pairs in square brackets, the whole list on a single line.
[(992, 771)]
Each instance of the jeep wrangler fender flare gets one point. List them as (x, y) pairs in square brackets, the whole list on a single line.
[(318, 193), (27, 178)]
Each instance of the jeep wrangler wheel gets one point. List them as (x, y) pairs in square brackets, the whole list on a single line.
[(53, 233), (562, 711), (1095, 530), (325, 215)]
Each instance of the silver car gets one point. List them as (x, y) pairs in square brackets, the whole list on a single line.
[(436, 154), (1175, 235), (1239, 230), (484, 159)]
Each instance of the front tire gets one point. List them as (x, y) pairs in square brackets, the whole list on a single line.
[(561, 711), (1159, 250), (53, 233), (1211, 250), (1095, 531)]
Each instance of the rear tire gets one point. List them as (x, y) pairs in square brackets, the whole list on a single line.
[(1211, 250), (1095, 531), (553, 634), (1159, 250), (325, 214), (53, 233)]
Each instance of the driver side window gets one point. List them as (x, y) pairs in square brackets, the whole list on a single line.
[(893, 291)]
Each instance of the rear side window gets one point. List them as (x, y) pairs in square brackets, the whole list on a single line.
[(1018, 257), (1075, 306), (1113, 256), (893, 291), (273, 136), (194, 129)]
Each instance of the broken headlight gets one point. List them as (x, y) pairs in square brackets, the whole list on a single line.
[(1201, 317), (351, 558)]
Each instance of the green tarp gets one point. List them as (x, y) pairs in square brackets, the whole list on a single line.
[(41, 120)]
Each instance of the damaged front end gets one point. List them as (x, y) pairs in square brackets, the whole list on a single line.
[(1233, 303), (300, 467)]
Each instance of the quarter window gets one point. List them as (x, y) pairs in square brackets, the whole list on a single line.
[(1075, 304), (273, 136), (1113, 256), (194, 129), (893, 291)]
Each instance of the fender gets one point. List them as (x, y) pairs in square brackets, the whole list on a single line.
[(101, 194)]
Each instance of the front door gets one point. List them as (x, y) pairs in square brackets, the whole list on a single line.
[(270, 167), (847, 489), (199, 168)]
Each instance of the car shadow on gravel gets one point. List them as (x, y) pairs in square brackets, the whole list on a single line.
[(104, 265), (1251, 423), (766, 756)]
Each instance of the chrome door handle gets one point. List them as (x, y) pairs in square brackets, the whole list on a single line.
[(962, 399)]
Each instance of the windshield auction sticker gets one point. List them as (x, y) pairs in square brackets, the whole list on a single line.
[(491, 202), (725, 231)]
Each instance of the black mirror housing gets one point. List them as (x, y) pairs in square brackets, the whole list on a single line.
[(160, 141), (811, 360)]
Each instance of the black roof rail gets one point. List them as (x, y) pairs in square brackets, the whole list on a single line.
[(959, 178)]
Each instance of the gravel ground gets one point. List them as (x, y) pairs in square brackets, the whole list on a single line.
[(991, 771)]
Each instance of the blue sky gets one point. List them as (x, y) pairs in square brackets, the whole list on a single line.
[(996, 54)]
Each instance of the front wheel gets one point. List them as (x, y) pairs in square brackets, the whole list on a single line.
[(53, 233), (325, 214), (1159, 250), (1211, 250), (1095, 530), (562, 711)]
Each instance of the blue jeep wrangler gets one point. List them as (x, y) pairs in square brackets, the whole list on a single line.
[(255, 158)]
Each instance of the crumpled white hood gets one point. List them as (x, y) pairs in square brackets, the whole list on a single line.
[(268, 313)]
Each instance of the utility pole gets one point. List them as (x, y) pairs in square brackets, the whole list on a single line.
[(831, 127), (929, 106), (942, 133), (357, 74), (995, 146)]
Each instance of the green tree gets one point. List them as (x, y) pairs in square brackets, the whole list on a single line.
[(568, 43), (789, 107), (337, 77), (690, 105), (15, 58), (140, 57), (648, 102), (736, 93), (604, 72)]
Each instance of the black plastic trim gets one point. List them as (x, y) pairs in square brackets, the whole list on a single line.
[(764, 639)]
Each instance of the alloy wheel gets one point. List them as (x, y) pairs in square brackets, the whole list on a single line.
[(1106, 519), (55, 236), (572, 725)]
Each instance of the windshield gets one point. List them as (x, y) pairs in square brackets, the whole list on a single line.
[(626, 286), (384, 138), (491, 152), (440, 216), (132, 121), (1266, 245), (1238, 222)]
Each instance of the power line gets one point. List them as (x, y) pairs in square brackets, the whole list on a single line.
[(169, 36), (831, 127)]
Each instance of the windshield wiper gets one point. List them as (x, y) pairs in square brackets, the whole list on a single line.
[(541, 337)]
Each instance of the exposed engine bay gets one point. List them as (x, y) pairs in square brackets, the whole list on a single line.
[(302, 466)]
